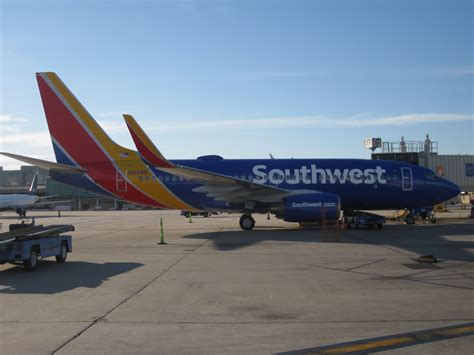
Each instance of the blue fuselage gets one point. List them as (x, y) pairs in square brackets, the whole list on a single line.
[(360, 184)]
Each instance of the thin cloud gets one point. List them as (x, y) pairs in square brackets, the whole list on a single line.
[(12, 119), (455, 71), (315, 121), (111, 114), (467, 70), (113, 126), (284, 74), (30, 139)]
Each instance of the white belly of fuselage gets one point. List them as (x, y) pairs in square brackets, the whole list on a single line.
[(12, 201)]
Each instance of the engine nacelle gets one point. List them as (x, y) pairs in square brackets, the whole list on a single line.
[(311, 207)]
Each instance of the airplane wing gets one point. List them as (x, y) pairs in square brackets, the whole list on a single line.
[(218, 186), (47, 165)]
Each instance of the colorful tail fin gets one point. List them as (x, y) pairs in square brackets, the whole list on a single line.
[(79, 141), (77, 137)]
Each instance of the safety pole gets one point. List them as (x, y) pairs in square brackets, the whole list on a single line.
[(162, 234)]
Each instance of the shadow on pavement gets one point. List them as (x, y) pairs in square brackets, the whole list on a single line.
[(51, 277), (422, 239)]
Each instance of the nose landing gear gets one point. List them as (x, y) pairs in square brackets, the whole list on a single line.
[(246, 222)]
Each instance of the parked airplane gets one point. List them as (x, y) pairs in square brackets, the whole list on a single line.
[(20, 202), (296, 190)]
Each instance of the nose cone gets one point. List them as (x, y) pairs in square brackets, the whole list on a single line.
[(450, 189)]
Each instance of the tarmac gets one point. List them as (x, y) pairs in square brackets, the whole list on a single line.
[(216, 289)]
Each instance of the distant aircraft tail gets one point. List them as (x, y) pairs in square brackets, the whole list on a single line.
[(34, 183)]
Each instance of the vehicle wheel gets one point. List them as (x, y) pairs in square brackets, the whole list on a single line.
[(205, 214), (31, 263), (410, 219), (246, 222), (356, 226), (380, 225), (62, 257)]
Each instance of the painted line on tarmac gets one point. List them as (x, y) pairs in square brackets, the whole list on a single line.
[(391, 342)]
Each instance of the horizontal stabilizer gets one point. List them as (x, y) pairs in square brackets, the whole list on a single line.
[(47, 165)]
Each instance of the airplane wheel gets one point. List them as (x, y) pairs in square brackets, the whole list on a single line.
[(246, 222), (410, 219)]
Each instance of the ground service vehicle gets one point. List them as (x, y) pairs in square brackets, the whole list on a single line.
[(27, 243)]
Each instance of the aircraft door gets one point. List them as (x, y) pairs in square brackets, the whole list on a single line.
[(121, 182), (407, 179)]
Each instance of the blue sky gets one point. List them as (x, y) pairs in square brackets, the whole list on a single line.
[(245, 78)]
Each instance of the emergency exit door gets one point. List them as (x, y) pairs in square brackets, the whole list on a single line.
[(121, 182), (407, 179)]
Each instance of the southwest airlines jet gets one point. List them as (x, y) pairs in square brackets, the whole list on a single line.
[(295, 190)]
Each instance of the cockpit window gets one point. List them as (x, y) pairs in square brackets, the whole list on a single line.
[(431, 175)]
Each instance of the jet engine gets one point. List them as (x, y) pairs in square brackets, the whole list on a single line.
[(20, 211), (310, 207)]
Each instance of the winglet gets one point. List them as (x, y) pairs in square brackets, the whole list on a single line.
[(145, 146)]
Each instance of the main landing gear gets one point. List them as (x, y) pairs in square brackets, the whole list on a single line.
[(247, 222)]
